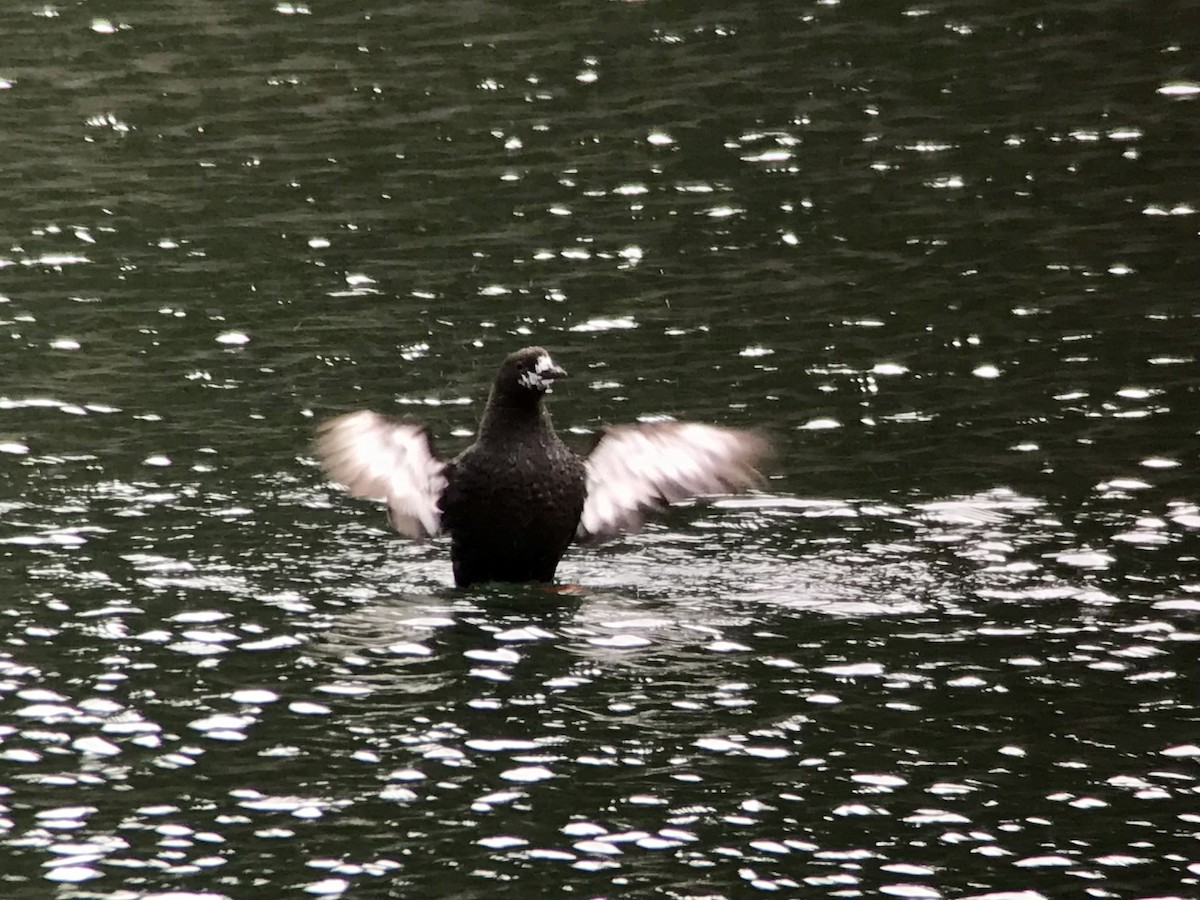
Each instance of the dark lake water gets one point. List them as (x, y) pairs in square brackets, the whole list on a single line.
[(946, 254)]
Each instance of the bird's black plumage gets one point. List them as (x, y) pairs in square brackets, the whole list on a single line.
[(515, 499)]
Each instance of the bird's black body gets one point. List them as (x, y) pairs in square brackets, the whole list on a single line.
[(515, 499)]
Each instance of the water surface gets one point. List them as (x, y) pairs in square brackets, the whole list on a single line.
[(945, 255)]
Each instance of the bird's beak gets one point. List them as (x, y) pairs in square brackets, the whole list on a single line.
[(547, 371)]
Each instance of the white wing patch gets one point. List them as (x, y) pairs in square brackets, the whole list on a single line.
[(634, 469), (378, 458)]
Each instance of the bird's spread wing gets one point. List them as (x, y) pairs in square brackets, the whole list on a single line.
[(633, 469), (379, 458)]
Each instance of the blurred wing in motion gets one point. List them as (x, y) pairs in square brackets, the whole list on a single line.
[(379, 458), (634, 469)]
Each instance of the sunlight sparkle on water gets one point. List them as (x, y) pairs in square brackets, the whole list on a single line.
[(1180, 89)]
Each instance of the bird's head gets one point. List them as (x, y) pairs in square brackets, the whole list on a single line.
[(527, 374)]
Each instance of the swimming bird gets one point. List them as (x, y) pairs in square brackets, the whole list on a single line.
[(516, 498)]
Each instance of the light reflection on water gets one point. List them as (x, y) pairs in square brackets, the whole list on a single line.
[(949, 652), (845, 696)]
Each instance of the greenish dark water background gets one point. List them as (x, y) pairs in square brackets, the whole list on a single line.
[(947, 254)]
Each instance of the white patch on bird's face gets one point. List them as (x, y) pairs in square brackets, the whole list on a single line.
[(535, 379)]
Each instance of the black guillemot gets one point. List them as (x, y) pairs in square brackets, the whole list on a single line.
[(515, 499)]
